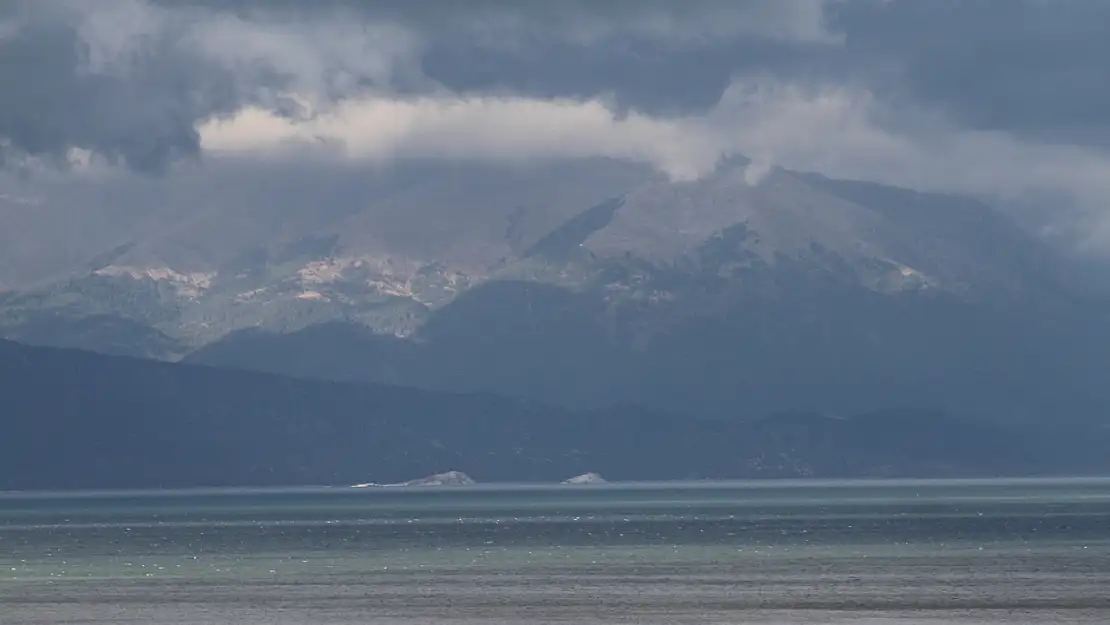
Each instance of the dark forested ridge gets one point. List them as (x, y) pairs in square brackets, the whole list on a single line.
[(74, 419)]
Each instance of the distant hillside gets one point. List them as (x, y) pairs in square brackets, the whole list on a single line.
[(75, 419), (590, 284)]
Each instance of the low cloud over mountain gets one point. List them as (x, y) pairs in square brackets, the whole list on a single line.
[(734, 207)]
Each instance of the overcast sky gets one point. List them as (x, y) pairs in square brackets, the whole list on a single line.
[(1000, 97)]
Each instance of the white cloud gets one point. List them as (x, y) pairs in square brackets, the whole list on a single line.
[(337, 71), (830, 130), (770, 123), (464, 127), (836, 131), (344, 68)]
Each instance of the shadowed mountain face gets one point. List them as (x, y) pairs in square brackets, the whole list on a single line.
[(825, 347), (82, 420), (593, 283)]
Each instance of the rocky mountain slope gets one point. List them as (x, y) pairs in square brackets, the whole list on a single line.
[(592, 283)]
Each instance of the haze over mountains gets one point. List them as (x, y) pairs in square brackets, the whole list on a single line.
[(742, 294), (76, 420), (715, 210)]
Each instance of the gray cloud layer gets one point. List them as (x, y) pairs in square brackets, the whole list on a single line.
[(1002, 97), (1035, 67)]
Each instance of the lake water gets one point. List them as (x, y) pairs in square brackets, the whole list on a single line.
[(870, 552)]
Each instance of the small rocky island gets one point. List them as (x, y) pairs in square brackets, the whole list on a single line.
[(585, 479), (448, 478)]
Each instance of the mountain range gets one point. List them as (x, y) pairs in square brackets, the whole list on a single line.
[(583, 284), (75, 419)]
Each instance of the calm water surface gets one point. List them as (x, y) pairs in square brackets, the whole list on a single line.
[(990, 551)]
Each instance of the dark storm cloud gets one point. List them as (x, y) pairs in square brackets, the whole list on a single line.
[(132, 80), (52, 100), (655, 56), (1039, 68)]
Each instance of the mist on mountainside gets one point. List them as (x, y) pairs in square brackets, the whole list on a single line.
[(599, 283), (717, 210)]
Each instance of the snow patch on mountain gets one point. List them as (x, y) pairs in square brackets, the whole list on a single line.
[(190, 285), (325, 271), (430, 284), (247, 296)]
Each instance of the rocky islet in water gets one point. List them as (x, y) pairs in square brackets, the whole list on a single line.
[(586, 479), (447, 478)]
